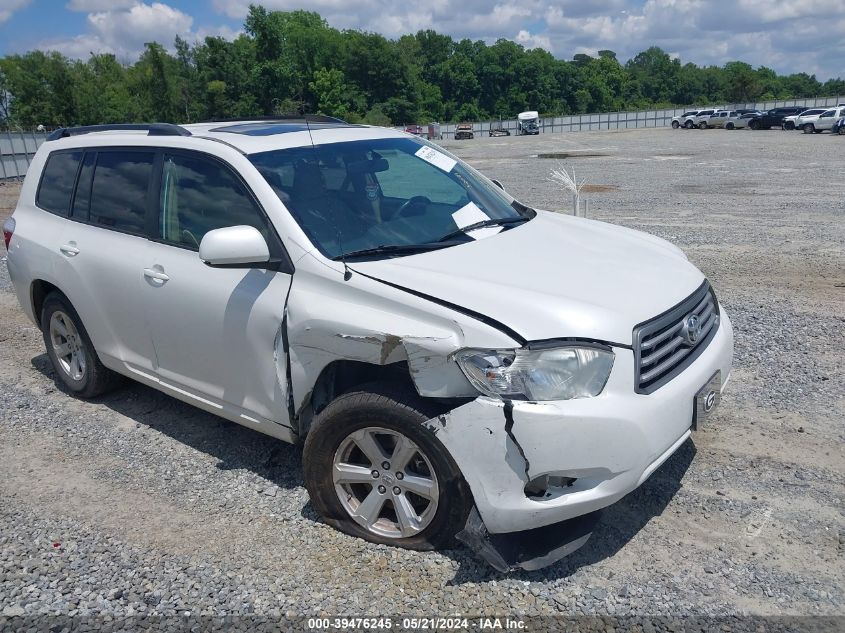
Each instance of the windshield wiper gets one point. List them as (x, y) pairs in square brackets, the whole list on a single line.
[(389, 249), (481, 225)]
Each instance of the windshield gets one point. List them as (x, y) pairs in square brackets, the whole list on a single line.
[(360, 195)]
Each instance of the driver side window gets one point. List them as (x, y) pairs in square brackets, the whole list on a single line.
[(199, 195)]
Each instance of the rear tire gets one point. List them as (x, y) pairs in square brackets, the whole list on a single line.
[(809, 128), (688, 125), (729, 126), (70, 350), (789, 125), (702, 126), (385, 417)]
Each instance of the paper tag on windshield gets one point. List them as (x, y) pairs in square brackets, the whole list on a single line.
[(438, 159), (470, 214)]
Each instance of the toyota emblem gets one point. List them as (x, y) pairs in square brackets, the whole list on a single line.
[(692, 329)]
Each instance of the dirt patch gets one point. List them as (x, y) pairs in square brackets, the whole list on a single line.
[(9, 192), (562, 155), (598, 188)]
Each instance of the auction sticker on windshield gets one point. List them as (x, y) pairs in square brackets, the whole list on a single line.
[(438, 159), (470, 214)]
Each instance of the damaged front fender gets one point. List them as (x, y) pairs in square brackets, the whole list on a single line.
[(365, 321)]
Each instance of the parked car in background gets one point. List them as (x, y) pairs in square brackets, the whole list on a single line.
[(703, 116), (464, 131), (226, 265), (742, 120), (773, 118), (498, 129), (739, 118), (528, 122), (839, 127), (416, 130), (679, 120), (718, 119), (796, 121), (825, 121)]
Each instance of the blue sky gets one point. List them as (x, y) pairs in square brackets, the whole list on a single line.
[(787, 35)]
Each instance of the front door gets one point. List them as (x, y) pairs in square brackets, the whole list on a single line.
[(216, 331)]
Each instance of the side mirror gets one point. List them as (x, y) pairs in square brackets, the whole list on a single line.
[(234, 246), (497, 183)]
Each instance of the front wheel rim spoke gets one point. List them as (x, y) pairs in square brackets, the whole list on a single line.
[(63, 350), (404, 450), (368, 444), (352, 474), (406, 515), (422, 486), (370, 508)]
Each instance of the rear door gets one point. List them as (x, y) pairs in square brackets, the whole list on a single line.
[(216, 331), (103, 246)]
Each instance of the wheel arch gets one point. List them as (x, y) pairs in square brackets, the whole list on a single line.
[(38, 293)]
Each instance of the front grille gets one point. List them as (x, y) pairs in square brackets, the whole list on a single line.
[(665, 345)]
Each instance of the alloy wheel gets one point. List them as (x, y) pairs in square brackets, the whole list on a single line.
[(385, 482), (68, 345)]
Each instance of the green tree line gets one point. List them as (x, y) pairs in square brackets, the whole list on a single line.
[(294, 62)]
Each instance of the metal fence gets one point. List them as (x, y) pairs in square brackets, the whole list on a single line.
[(17, 147), (633, 119)]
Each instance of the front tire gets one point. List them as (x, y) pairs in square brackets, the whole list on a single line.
[(754, 125), (675, 125), (789, 125), (70, 350), (729, 126), (702, 126), (374, 471)]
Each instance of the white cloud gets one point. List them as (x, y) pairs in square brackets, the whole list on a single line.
[(123, 31), (529, 40), (8, 7)]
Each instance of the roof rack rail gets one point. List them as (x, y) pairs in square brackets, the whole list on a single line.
[(152, 129), (281, 118)]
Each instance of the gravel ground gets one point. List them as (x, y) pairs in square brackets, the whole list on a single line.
[(139, 505)]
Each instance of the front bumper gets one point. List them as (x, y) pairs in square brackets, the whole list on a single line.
[(609, 444)]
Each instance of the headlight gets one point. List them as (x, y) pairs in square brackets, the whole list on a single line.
[(560, 373)]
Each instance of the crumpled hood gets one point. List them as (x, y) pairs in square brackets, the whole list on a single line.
[(555, 276)]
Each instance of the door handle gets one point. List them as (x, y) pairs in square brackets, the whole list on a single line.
[(69, 249), (158, 275)]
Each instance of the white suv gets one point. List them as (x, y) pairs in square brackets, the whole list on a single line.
[(454, 362), (825, 121)]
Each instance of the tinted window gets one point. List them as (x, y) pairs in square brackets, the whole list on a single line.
[(56, 186), (82, 199), (119, 190), (199, 195)]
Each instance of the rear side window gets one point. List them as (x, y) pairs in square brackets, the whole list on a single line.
[(56, 186), (119, 190), (82, 199)]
